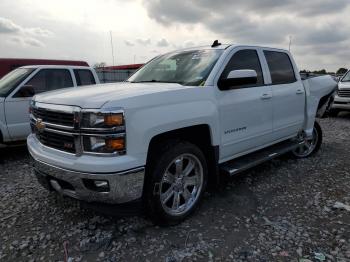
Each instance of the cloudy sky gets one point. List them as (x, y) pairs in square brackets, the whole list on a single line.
[(141, 29)]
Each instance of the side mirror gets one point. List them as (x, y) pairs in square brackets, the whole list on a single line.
[(25, 91), (238, 78)]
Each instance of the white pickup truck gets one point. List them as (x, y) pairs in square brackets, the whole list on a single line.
[(178, 125), (342, 97), (18, 87)]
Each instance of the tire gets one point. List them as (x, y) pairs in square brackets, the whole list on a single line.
[(310, 146), (177, 182)]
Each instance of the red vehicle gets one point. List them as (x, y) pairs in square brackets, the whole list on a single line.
[(9, 64)]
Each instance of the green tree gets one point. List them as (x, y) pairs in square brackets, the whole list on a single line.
[(341, 71), (99, 65)]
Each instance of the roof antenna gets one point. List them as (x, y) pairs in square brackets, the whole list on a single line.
[(216, 43)]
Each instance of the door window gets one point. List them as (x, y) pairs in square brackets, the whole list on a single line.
[(84, 77), (245, 59), (46, 80), (281, 68)]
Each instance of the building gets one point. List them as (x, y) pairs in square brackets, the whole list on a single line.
[(110, 74)]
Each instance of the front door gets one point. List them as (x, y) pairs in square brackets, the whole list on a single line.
[(17, 104), (245, 111)]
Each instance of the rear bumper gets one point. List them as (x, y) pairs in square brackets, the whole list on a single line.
[(123, 187), (341, 103)]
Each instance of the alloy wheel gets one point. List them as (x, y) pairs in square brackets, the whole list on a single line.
[(181, 184)]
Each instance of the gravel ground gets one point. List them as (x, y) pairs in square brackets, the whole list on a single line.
[(284, 210)]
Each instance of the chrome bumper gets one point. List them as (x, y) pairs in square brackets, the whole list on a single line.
[(341, 103), (124, 186)]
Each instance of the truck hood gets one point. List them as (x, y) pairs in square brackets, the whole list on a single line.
[(96, 96)]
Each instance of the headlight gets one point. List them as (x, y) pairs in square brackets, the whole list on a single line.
[(104, 145), (102, 120), (103, 132)]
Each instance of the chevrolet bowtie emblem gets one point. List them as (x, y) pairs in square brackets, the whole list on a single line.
[(40, 126)]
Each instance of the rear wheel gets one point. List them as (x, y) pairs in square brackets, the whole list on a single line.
[(179, 179), (311, 144)]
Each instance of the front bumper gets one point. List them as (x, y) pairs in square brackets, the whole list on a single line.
[(341, 103), (124, 186)]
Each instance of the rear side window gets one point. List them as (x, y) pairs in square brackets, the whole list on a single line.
[(281, 67), (84, 77), (245, 59)]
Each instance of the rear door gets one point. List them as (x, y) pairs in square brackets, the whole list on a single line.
[(17, 104), (84, 77), (288, 95), (246, 110)]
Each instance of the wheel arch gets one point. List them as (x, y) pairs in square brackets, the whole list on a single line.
[(199, 135)]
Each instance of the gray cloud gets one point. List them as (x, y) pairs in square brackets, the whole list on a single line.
[(312, 23), (26, 41), (143, 41), (7, 26), (25, 36), (162, 42), (129, 43)]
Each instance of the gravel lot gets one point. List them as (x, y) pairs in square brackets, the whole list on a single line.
[(284, 210)]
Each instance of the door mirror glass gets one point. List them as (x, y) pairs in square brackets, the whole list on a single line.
[(26, 91), (238, 78)]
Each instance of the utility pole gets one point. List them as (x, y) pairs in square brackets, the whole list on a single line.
[(110, 34), (290, 42)]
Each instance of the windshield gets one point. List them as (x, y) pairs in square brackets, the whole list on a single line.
[(346, 78), (13, 79), (190, 68)]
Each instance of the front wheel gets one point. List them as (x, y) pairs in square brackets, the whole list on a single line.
[(311, 144), (177, 184)]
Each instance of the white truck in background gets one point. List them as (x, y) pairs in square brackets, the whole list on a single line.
[(19, 86), (342, 97), (178, 125)]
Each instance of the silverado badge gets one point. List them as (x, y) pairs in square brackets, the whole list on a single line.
[(40, 126)]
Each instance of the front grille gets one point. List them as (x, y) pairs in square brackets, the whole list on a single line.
[(57, 141), (59, 127), (54, 117), (344, 92)]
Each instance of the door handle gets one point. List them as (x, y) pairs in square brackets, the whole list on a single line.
[(266, 96), (300, 91)]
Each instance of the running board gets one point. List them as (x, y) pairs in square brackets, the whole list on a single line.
[(242, 163)]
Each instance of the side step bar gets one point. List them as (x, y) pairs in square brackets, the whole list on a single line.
[(242, 163)]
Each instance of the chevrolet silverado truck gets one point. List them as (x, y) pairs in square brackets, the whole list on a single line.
[(19, 86), (342, 97), (181, 123)]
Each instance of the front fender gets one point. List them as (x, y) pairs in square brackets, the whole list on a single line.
[(143, 125)]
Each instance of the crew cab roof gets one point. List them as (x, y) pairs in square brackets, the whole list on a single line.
[(227, 46)]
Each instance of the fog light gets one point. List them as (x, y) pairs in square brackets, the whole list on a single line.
[(101, 184), (96, 185)]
